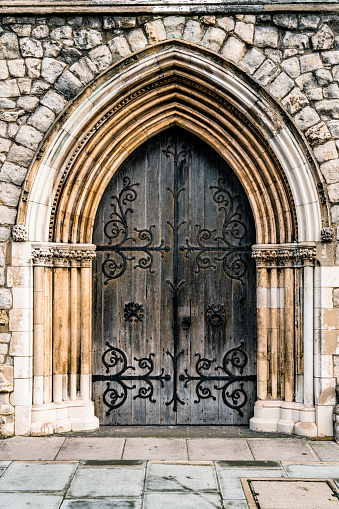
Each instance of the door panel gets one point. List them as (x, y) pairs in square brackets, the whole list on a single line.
[(174, 289)]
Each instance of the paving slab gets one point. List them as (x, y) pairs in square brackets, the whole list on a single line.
[(117, 481), (34, 476), (164, 477), (323, 471), (281, 449), (326, 451), (91, 449), (218, 449), (155, 449), (182, 501), (235, 504), (4, 464), (30, 501), (105, 503), (230, 484), (31, 448)]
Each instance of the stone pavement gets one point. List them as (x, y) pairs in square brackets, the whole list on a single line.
[(85, 472)]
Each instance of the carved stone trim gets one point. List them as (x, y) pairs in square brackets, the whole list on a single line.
[(62, 257), (19, 233), (282, 257), (327, 234)]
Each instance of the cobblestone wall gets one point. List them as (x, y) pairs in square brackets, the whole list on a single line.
[(45, 62)]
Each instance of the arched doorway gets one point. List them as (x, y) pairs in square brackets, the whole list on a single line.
[(174, 301)]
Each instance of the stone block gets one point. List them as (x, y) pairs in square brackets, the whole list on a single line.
[(5, 299), (20, 155), (20, 320), (3, 347), (52, 48), (63, 32), (13, 128), (291, 66), (328, 109), (28, 137), (227, 23), (323, 39), (9, 194), (324, 77), (3, 70), (16, 68), (331, 91), (309, 63), (7, 215), (234, 49), (70, 55), (306, 118), (13, 173), (266, 72), (30, 47), (40, 32), (28, 103), (330, 57), (174, 26), (310, 21), (101, 57), (108, 22), (5, 337), (87, 38), (42, 118), (137, 39), (318, 134), (333, 126), (306, 81), (266, 37), (155, 31), (193, 31), (119, 45), (84, 70), (39, 88), (6, 103), (335, 71), (125, 22), (333, 192), (25, 85), (326, 152), (330, 170), (9, 47), (22, 30), (213, 38), (335, 213), (33, 67), (9, 88), (23, 367), (244, 31), (295, 41), (51, 69), (252, 60), (281, 86), (21, 344), (68, 85), (5, 145), (314, 94), (286, 20)]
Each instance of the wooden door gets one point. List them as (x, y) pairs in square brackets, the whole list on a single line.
[(174, 290)]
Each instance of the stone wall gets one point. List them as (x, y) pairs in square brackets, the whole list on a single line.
[(46, 61)]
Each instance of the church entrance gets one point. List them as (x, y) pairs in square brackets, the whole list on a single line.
[(174, 306)]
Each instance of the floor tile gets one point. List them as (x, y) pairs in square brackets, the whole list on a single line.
[(31, 448), (104, 503), (24, 476), (218, 449), (281, 449), (230, 484), (107, 482), (327, 451), (235, 504), (155, 449), (313, 471), (163, 477), (182, 501), (91, 448), (4, 464), (30, 501)]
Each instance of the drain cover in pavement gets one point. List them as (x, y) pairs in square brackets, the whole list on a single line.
[(291, 493)]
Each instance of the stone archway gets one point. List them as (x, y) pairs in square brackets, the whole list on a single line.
[(172, 85)]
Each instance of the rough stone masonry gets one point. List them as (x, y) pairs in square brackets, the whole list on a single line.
[(45, 61)]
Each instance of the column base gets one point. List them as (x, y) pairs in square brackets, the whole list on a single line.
[(307, 425), (289, 415), (62, 423), (81, 415), (43, 418), (266, 416)]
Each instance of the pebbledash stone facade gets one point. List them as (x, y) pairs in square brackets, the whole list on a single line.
[(48, 59)]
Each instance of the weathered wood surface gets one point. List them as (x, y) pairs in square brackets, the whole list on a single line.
[(174, 320)]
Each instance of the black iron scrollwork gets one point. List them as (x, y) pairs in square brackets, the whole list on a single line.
[(133, 312), (235, 359), (215, 315), (226, 248), (115, 396), (121, 247)]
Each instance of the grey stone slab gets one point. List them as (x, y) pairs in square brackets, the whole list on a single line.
[(312, 471), (218, 449), (182, 500), (31, 448), (104, 503), (42, 476), (30, 500), (107, 482), (91, 449), (235, 504), (155, 449), (176, 477), (327, 451), (230, 484), (4, 464), (281, 449)]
